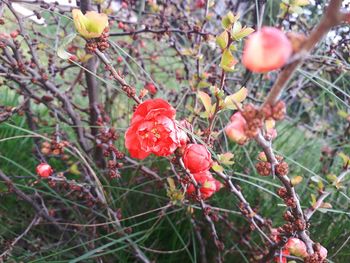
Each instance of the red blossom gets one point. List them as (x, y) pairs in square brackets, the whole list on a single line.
[(153, 130), (197, 158), (235, 130), (266, 50), (44, 170), (208, 185)]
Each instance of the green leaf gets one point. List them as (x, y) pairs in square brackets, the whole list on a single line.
[(61, 50), (203, 84), (231, 101), (228, 20), (217, 168), (226, 158), (228, 61), (222, 40), (205, 98), (237, 27), (246, 31)]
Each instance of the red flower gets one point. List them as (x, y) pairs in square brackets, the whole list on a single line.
[(266, 50), (196, 158), (153, 130), (235, 130), (208, 184), (44, 170)]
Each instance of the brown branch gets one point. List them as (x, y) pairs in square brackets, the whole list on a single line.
[(40, 210), (204, 207), (332, 17), (252, 216), (93, 93), (4, 255), (116, 75)]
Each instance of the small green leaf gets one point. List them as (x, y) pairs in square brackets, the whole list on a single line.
[(205, 98), (222, 40), (228, 20), (235, 99), (226, 158), (236, 28), (217, 168), (243, 33), (228, 61)]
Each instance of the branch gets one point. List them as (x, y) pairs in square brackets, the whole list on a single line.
[(332, 17), (116, 75), (310, 211), (3, 256), (27, 199)]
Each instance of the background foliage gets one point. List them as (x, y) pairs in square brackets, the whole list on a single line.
[(314, 138)]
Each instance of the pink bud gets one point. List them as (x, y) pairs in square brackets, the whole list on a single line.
[(235, 130), (296, 247), (151, 88), (207, 183), (197, 158), (266, 50), (121, 25), (44, 170), (323, 252)]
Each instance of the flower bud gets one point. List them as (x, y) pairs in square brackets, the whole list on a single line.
[(151, 88), (235, 130), (296, 247), (44, 170), (207, 184), (197, 158), (266, 50), (323, 252)]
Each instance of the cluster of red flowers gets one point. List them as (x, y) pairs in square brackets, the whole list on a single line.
[(197, 159), (295, 247), (153, 129)]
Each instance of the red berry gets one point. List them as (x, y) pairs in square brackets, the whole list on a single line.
[(44, 170), (119, 59)]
